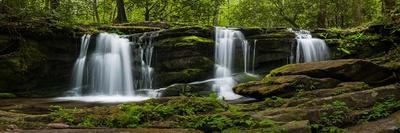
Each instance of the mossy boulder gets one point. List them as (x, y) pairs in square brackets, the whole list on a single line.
[(344, 70), (185, 40), (184, 76), (202, 89), (7, 95), (360, 99), (283, 86)]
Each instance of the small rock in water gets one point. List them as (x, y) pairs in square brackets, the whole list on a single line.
[(12, 127), (57, 125)]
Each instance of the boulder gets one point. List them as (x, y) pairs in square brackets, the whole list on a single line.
[(297, 127), (283, 86), (386, 125), (345, 70), (360, 99), (345, 87), (57, 125), (200, 88)]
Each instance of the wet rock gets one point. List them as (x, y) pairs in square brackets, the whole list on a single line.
[(341, 88), (344, 70), (283, 86), (184, 76), (360, 99), (245, 77), (297, 127), (12, 127), (386, 125), (57, 125), (187, 89)]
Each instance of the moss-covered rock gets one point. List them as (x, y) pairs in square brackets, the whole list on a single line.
[(184, 76), (344, 70), (202, 89), (360, 99), (184, 41), (7, 95), (283, 86)]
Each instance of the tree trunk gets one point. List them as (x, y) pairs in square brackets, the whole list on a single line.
[(147, 15), (54, 4), (121, 15), (322, 14), (95, 12), (388, 6), (358, 15)]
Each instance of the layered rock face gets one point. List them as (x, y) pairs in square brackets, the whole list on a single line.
[(339, 93), (287, 80), (36, 61)]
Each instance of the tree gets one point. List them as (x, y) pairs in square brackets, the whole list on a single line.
[(388, 6), (121, 15), (95, 11), (322, 14)]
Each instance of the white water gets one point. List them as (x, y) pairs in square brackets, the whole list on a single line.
[(103, 98), (309, 49), (105, 73), (225, 41)]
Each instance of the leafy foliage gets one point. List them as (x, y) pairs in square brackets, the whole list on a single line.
[(205, 113), (381, 110), (265, 13)]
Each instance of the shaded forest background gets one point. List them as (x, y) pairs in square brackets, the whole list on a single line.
[(248, 13)]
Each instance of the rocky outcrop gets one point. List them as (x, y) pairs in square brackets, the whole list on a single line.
[(289, 79), (182, 54), (283, 86), (386, 125), (345, 70)]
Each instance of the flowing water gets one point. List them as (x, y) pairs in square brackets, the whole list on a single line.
[(309, 49), (113, 69), (225, 44)]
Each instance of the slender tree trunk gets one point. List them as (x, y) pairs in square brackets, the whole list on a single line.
[(121, 15), (216, 13), (358, 15), (104, 10), (95, 12), (322, 14), (147, 14), (54, 4), (388, 6)]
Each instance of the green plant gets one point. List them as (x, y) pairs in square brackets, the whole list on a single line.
[(60, 114), (7, 95), (381, 110), (326, 129), (335, 113), (274, 101)]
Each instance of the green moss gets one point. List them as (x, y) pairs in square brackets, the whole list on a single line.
[(274, 102), (186, 41), (381, 110), (7, 95), (276, 71), (186, 75), (205, 113)]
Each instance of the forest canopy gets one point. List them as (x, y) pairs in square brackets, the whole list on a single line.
[(249, 13)]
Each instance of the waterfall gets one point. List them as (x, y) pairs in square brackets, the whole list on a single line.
[(225, 44), (309, 49), (144, 53), (113, 69), (79, 66), (106, 70)]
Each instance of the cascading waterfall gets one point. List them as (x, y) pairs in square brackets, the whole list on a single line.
[(107, 70), (79, 66), (104, 70), (309, 49), (225, 40), (144, 53)]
